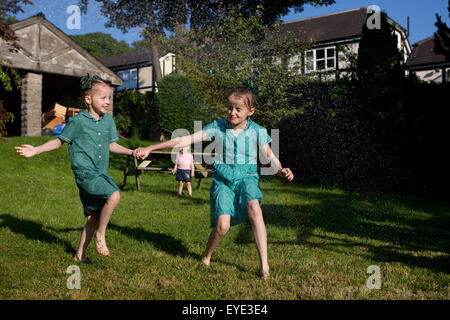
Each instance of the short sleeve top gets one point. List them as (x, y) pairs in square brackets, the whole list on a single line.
[(236, 156), (184, 161), (89, 141)]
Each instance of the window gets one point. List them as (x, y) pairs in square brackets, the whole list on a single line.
[(322, 59), (129, 78)]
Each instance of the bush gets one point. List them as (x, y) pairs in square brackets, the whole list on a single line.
[(327, 142), (180, 103), (135, 114)]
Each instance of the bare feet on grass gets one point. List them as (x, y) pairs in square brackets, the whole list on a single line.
[(264, 273), (205, 261), (81, 258), (100, 245)]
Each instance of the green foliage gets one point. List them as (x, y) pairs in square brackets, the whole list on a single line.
[(180, 103), (380, 73), (8, 78), (220, 57), (134, 113), (5, 117), (100, 44), (442, 37)]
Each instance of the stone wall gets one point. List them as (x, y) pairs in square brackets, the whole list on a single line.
[(31, 104)]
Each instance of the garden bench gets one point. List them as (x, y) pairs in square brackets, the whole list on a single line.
[(136, 169)]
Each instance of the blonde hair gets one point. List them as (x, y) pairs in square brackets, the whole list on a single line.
[(95, 83), (245, 93)]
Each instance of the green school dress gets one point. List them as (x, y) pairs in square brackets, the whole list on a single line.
[(235, 175), (89, 141)]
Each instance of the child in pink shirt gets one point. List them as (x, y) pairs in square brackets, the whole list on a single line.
[(184, 167)]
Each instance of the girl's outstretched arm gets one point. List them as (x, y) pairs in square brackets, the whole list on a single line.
[(118, 149), (180, 142), (29, 151), (285, 172)]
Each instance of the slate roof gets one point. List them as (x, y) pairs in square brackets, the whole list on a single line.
[(424, 54), (331, 27), (340, 25), (128, 59)]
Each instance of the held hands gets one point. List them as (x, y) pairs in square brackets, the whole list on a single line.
[(287, 174), (141, 153), (26, 150), (134, 154)]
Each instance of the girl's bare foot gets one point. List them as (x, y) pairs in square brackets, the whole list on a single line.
[(205, 261), (100, 245), (80, 258), (264, 273)]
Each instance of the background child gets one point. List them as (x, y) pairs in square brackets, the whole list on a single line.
[(184, 168), (91, 135), (235, 193)]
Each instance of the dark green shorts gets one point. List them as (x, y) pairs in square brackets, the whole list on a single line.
[(95, 190)]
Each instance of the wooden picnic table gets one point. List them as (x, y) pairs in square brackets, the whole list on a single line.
[(137, 169)]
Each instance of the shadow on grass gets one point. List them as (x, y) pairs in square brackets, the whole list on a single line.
[(160, 241), (33, 231), (173, 194), (166, 243), (408, 230)]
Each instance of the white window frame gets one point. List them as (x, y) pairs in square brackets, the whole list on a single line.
[(125, 82), (325, 59)]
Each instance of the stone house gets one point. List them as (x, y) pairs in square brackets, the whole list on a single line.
[(50, 64)]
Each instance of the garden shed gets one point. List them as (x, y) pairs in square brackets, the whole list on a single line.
[(50, 64)]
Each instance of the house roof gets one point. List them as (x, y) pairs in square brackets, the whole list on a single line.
[(331, 27), (45, 48), (424, 54), (127, 59)]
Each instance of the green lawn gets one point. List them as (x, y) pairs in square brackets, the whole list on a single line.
[(320, 241)]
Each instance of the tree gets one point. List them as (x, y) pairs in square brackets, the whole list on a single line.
[(380, 73), (235, 49), (8, 75), (273, 9), (150, 15), (101, 44), (442, 37)]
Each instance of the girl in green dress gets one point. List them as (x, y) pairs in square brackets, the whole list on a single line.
[(235, 193), (91, 136)]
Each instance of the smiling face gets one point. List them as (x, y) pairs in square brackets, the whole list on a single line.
[(98, 99), (238, 111)]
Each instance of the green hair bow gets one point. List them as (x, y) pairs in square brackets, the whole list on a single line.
[(86, 81), (247, 84)]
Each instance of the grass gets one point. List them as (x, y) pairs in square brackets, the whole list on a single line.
[(320, 241)]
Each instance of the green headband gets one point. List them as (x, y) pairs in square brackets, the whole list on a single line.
[(247, 84), (87, 81)]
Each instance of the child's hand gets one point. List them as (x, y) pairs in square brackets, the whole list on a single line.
[(174, 170), (135, 154), (287, 174), (26, 150), (142, 153)]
